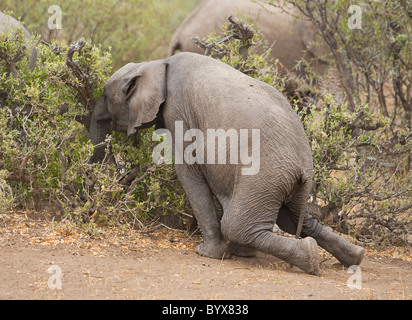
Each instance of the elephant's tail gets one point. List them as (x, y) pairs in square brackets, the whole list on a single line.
[(300, 224), (306, 185)]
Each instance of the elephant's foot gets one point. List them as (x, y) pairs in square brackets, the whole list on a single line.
[(302, 253), (347, 253), (307, 256), (212, 249), (241, 251)]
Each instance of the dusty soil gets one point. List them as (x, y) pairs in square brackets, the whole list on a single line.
[(110, 263)]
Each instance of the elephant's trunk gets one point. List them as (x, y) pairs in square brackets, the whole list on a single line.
[(33, 58), (99, 127)]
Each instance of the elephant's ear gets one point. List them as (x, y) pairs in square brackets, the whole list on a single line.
[(145, 92)]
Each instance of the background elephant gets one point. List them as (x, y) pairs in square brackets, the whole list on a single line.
[(9, 24), (202, 93), (290, 36)]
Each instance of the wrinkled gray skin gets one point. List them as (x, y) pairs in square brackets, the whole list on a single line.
[(7, 24), (207, 94), (290, 36)]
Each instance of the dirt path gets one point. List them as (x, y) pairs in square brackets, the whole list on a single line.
[(36, 257)]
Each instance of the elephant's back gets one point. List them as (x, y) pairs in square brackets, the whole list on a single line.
[(208, 16), (8, 23), (277, 26), (228, 98)]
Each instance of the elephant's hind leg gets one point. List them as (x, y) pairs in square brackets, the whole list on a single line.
[(203, 205), (251, 228)]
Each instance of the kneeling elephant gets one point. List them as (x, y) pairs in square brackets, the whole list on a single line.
[(204, 95)]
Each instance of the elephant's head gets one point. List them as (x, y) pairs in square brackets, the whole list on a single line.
[(132, 98)]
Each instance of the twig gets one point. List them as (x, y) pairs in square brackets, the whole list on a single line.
[(237, 30), (210, 48), (133, 185)]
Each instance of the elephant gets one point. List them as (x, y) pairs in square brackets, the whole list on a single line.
[(8, 23), (192, 94), (290, 36)]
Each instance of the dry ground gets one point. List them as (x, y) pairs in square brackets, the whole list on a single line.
[(115, 264)]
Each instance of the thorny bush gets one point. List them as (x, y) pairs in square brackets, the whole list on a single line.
[(45, 151)]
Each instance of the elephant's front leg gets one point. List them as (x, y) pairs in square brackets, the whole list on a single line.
[(201, 200)]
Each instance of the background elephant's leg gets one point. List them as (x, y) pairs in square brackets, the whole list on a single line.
[(202, 202), (347, 253)]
